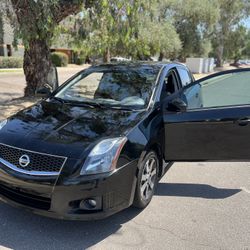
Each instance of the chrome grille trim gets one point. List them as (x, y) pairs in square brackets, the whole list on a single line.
[(36, 173), (32, 172), (58, 156)]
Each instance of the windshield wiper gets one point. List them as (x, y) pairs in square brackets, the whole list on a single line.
[(121, 108), (89, 104), (77, 103), (58, 99), (93, 104)]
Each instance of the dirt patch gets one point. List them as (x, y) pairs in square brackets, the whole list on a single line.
[(11, 107)]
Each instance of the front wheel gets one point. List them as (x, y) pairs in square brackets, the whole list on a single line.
[(147, 180)]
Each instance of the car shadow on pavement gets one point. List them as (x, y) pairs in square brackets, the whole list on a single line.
[(22, 230), (194, 190)]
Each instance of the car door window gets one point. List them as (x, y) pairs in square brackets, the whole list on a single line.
[(226, 89), (169, 85), (184, 76)]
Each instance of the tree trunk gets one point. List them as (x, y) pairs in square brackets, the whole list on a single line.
[(161, 56), (106, 56), (219, 54), (36, 65)]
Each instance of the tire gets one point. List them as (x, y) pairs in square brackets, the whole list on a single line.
[(147, 180)]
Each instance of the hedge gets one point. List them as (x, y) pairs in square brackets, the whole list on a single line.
[(59, 59), (11, 62)]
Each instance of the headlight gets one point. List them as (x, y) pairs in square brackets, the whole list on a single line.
[(104, 156), (2, 124)]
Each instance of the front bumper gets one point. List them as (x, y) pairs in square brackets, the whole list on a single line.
[(61, 198)]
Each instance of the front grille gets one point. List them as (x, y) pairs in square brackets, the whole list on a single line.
[(38, 162), (24, 198)]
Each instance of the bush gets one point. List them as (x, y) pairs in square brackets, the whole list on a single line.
[(11, 62), (59, 59), (80, 60)]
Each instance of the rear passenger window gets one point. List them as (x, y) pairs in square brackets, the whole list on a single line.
[(185, 77)]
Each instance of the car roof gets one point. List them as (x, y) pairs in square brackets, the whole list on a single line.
[(138, 64)]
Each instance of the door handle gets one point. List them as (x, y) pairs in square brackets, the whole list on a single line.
[(243, 122)]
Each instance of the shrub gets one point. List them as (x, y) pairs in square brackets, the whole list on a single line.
[(59, 59), (80, 60), (11, 62)]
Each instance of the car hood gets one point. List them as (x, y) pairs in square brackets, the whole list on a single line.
[(62, 129)]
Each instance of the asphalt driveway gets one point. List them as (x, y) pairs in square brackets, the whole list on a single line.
[(197, 206)]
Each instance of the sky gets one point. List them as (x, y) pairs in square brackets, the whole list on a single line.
[(247, 22)]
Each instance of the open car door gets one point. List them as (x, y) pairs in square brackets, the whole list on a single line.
[(212, 125)]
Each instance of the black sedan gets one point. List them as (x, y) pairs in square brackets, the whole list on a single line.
[(101, 142)]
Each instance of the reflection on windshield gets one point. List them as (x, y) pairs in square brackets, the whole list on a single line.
[(114, 88)]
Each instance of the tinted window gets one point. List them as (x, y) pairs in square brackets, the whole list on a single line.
[(185, 77), (224, 90)]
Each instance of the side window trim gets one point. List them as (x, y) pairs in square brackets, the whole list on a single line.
[(222, 73), (217, 108)]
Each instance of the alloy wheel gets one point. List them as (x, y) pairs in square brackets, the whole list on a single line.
[(148, 179)]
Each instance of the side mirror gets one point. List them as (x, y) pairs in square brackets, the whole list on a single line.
[(44, 92), (177, 105)]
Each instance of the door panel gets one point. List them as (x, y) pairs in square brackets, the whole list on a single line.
[(218, 127), (216, 134)]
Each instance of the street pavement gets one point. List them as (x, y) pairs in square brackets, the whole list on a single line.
[(196, 206), (12, 83)]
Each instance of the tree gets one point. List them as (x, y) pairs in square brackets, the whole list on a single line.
[(246, 51), (161, 38), (108, 28), (194, 21), (236, 43), (98, 30), (231, 13), (36, 22), (126, 28)]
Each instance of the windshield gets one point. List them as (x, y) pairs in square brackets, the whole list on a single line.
[(115, 88)]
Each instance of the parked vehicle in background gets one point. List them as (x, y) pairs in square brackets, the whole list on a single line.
[(244, 62), (119, 59)]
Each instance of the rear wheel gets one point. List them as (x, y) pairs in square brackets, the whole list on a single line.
[(147, 180)]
